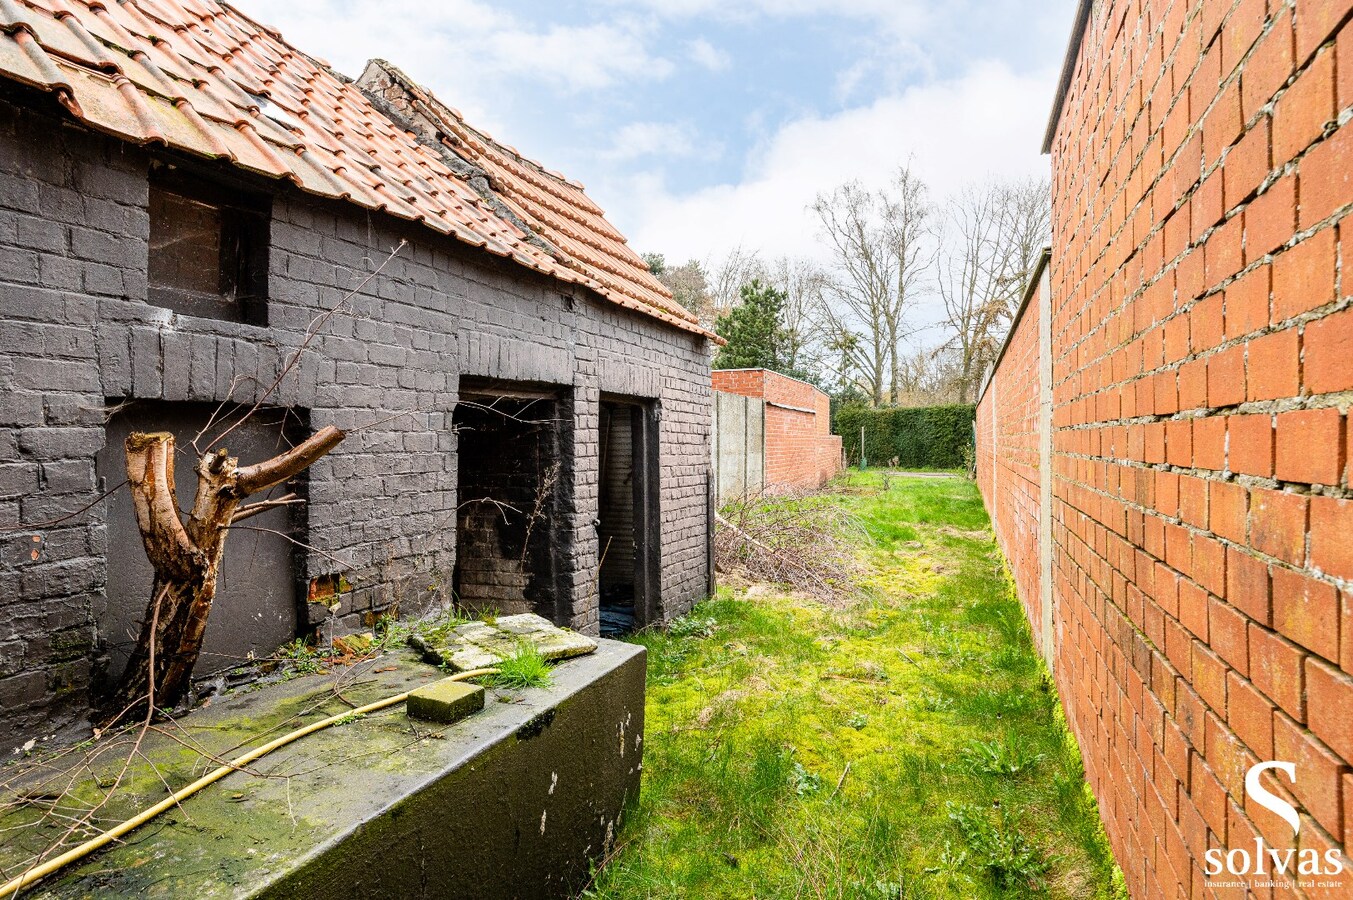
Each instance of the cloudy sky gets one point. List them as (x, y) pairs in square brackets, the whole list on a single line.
[(700, 125)]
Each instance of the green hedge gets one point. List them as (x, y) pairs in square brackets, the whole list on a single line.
[(926, 437)]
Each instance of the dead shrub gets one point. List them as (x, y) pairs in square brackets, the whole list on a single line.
[(801, 539)]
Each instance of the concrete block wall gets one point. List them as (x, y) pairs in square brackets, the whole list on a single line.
[(1200, 386), (76, 332)]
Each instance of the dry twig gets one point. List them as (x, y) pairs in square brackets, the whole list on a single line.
[(802, 540)]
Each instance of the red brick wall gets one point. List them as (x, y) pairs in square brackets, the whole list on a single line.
[(1009, 466), (747, 382), (1202, 359), (801, 451)]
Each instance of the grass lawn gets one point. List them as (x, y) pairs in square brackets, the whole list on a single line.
[(908, 745)]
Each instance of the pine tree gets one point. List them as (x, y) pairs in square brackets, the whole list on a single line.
[(754, 330)]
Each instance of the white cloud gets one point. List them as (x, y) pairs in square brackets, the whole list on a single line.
[(582, 57), (986, 124), (707, 55), (467, 51), (669, 140)]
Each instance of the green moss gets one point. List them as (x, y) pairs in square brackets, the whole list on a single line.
[(754, 714), (267, 814), (433, 630)]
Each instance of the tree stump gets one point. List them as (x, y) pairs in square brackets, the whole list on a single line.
[(187, 556)]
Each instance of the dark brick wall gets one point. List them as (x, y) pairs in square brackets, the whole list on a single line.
[(76, 331)]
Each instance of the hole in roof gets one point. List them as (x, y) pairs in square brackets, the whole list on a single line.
[(275, 112)]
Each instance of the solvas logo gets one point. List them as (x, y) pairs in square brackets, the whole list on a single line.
[(1269, 861)]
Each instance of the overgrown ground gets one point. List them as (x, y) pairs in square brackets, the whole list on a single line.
[(908, 745)]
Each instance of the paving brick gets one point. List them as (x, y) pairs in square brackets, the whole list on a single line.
[(1331, 544), (1226, 377), (1328, 347), (1247, 165), (1325, 177), (1250, 444), (445, 701), (1319, 772), (1300, 114), (1270, 219), (1272, 366), (1278, 524), (1276, 668), (1303, 276), (1228, 507), (1250, 715), (1229, 636), (1248, 302)]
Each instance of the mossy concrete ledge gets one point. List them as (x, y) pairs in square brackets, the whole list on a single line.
[(519, 800)]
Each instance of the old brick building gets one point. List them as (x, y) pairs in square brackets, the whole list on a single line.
[(1164, 443), (191, 207)]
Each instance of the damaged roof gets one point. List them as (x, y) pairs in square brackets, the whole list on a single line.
[(555, 209), (202, 77)]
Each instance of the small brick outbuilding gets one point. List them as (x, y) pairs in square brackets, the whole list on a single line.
[(190, 206)]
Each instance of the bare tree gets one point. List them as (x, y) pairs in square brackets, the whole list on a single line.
[(928, 377), (803, 283), (989, 244), (187, 556), (688, 283), (880, 242), (727, 277), (841, 356)]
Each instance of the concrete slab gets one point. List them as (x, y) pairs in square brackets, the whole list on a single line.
[(517, 800), (478, 645)]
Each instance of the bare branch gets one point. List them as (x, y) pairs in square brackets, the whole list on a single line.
[(150, 471), (260, 477), (991, 239), (254, 509), (70, 515), (310, 333), (881, 243)]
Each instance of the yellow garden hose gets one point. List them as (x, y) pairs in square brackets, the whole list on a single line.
[(42, 871)]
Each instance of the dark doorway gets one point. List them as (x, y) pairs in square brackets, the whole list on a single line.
[(627, 516), (510, 472), (255, 610)]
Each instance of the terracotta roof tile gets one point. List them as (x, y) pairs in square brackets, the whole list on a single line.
[(554, 208), (202, 77)]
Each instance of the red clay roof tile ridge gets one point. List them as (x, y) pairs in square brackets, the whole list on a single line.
[(608, 258), (434, 101)]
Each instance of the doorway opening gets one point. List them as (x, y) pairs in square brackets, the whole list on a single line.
[(627, 516), (510, 475)]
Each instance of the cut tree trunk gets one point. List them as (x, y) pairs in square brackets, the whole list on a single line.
[(186, 557)]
